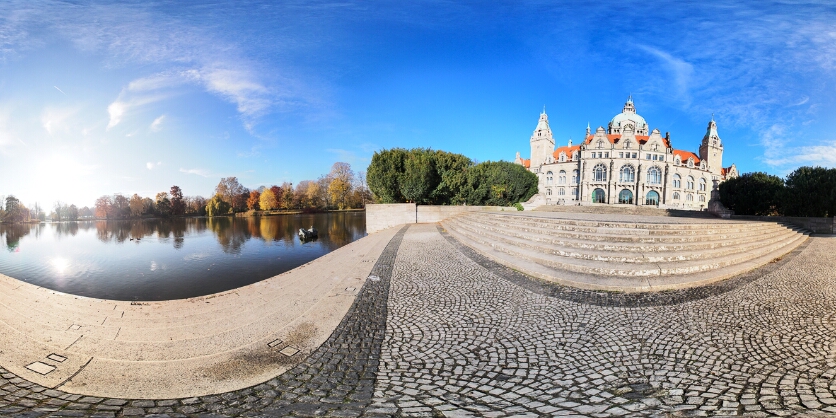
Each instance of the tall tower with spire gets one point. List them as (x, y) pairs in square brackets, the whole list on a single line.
[(711, 149), (542, 142)]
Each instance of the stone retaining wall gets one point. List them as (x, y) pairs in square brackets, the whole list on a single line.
[(382, 216), (814, 225)]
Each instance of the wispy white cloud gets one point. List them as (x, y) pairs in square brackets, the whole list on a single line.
[(55, 119), (157, 124), (150, 165), (680, 71), (197, 171)]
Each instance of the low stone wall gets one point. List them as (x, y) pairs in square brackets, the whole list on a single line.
[(814, 225), (382, 216)]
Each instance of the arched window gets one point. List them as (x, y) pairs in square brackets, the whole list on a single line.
[(702, 198), (561, 191), (600, 144), (628, 174), (562, 157), (677, 160), (599, 173), (677, 181), (689, 197), (675, 195), (702, 185), (654, 175), (549, 178), (549, 191), (575, 156), (561, 177), (652, 198), (575, 178), (625, 197), (599, 196), (691, 162), (690, 183)]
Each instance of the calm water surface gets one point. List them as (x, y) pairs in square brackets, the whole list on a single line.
[(161, 259)]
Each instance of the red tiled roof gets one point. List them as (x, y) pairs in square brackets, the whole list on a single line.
[(614, 138), (527, 163), (567, 150), (684, 155)]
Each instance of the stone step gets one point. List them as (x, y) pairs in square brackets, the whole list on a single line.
[(603, 235), (650, 254), (542, 236), (621, 268), (648, 228), (621, 283)]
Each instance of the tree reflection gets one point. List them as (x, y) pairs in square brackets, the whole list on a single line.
[(335, 229), (13, 233)]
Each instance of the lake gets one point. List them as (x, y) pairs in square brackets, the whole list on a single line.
[(162, 259)]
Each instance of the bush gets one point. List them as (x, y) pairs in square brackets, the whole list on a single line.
[(519, 206)]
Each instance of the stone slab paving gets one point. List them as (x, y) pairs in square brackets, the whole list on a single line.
[(440, 332), (337, 379)]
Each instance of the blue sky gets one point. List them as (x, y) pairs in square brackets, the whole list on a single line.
[(133, 97)]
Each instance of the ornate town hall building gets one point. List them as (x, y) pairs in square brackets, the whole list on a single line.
[(626, 164)]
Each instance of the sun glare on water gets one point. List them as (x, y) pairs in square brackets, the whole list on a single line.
[(60, 265)]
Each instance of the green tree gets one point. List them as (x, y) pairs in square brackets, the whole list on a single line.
[(14, 211), (163, 204), (384, 175), (217, 206), (452, 171), (419, 178), (72, 213), (498, 184), (178, 208), (811, 191), (758, 194)]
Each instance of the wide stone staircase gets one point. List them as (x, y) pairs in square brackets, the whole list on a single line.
[(623, 254)]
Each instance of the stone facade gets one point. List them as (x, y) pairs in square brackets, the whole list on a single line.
[(624, 164)]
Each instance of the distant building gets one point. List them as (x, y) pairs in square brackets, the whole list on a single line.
[(625, 164)]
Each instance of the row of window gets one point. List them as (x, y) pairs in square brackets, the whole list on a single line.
[(627, 174), (626, 197), (561, 177), (561, 191)]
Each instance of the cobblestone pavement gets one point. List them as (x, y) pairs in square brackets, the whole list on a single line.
[(463, 340), (467, 337)]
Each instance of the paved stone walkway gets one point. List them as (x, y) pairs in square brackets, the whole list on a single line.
[(461, 336)]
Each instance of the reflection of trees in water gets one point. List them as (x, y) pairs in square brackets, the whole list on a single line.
[(14, 232), (335, 229), (231, 233), (121, 231)]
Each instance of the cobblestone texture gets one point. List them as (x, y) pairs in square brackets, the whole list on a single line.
[(464, 340), (337, 379), (467, 337)]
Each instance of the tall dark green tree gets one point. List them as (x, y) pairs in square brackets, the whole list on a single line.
[(384, 174), (419, 178), (498, 184), (753, 194), (452, 172), (811, 191)]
